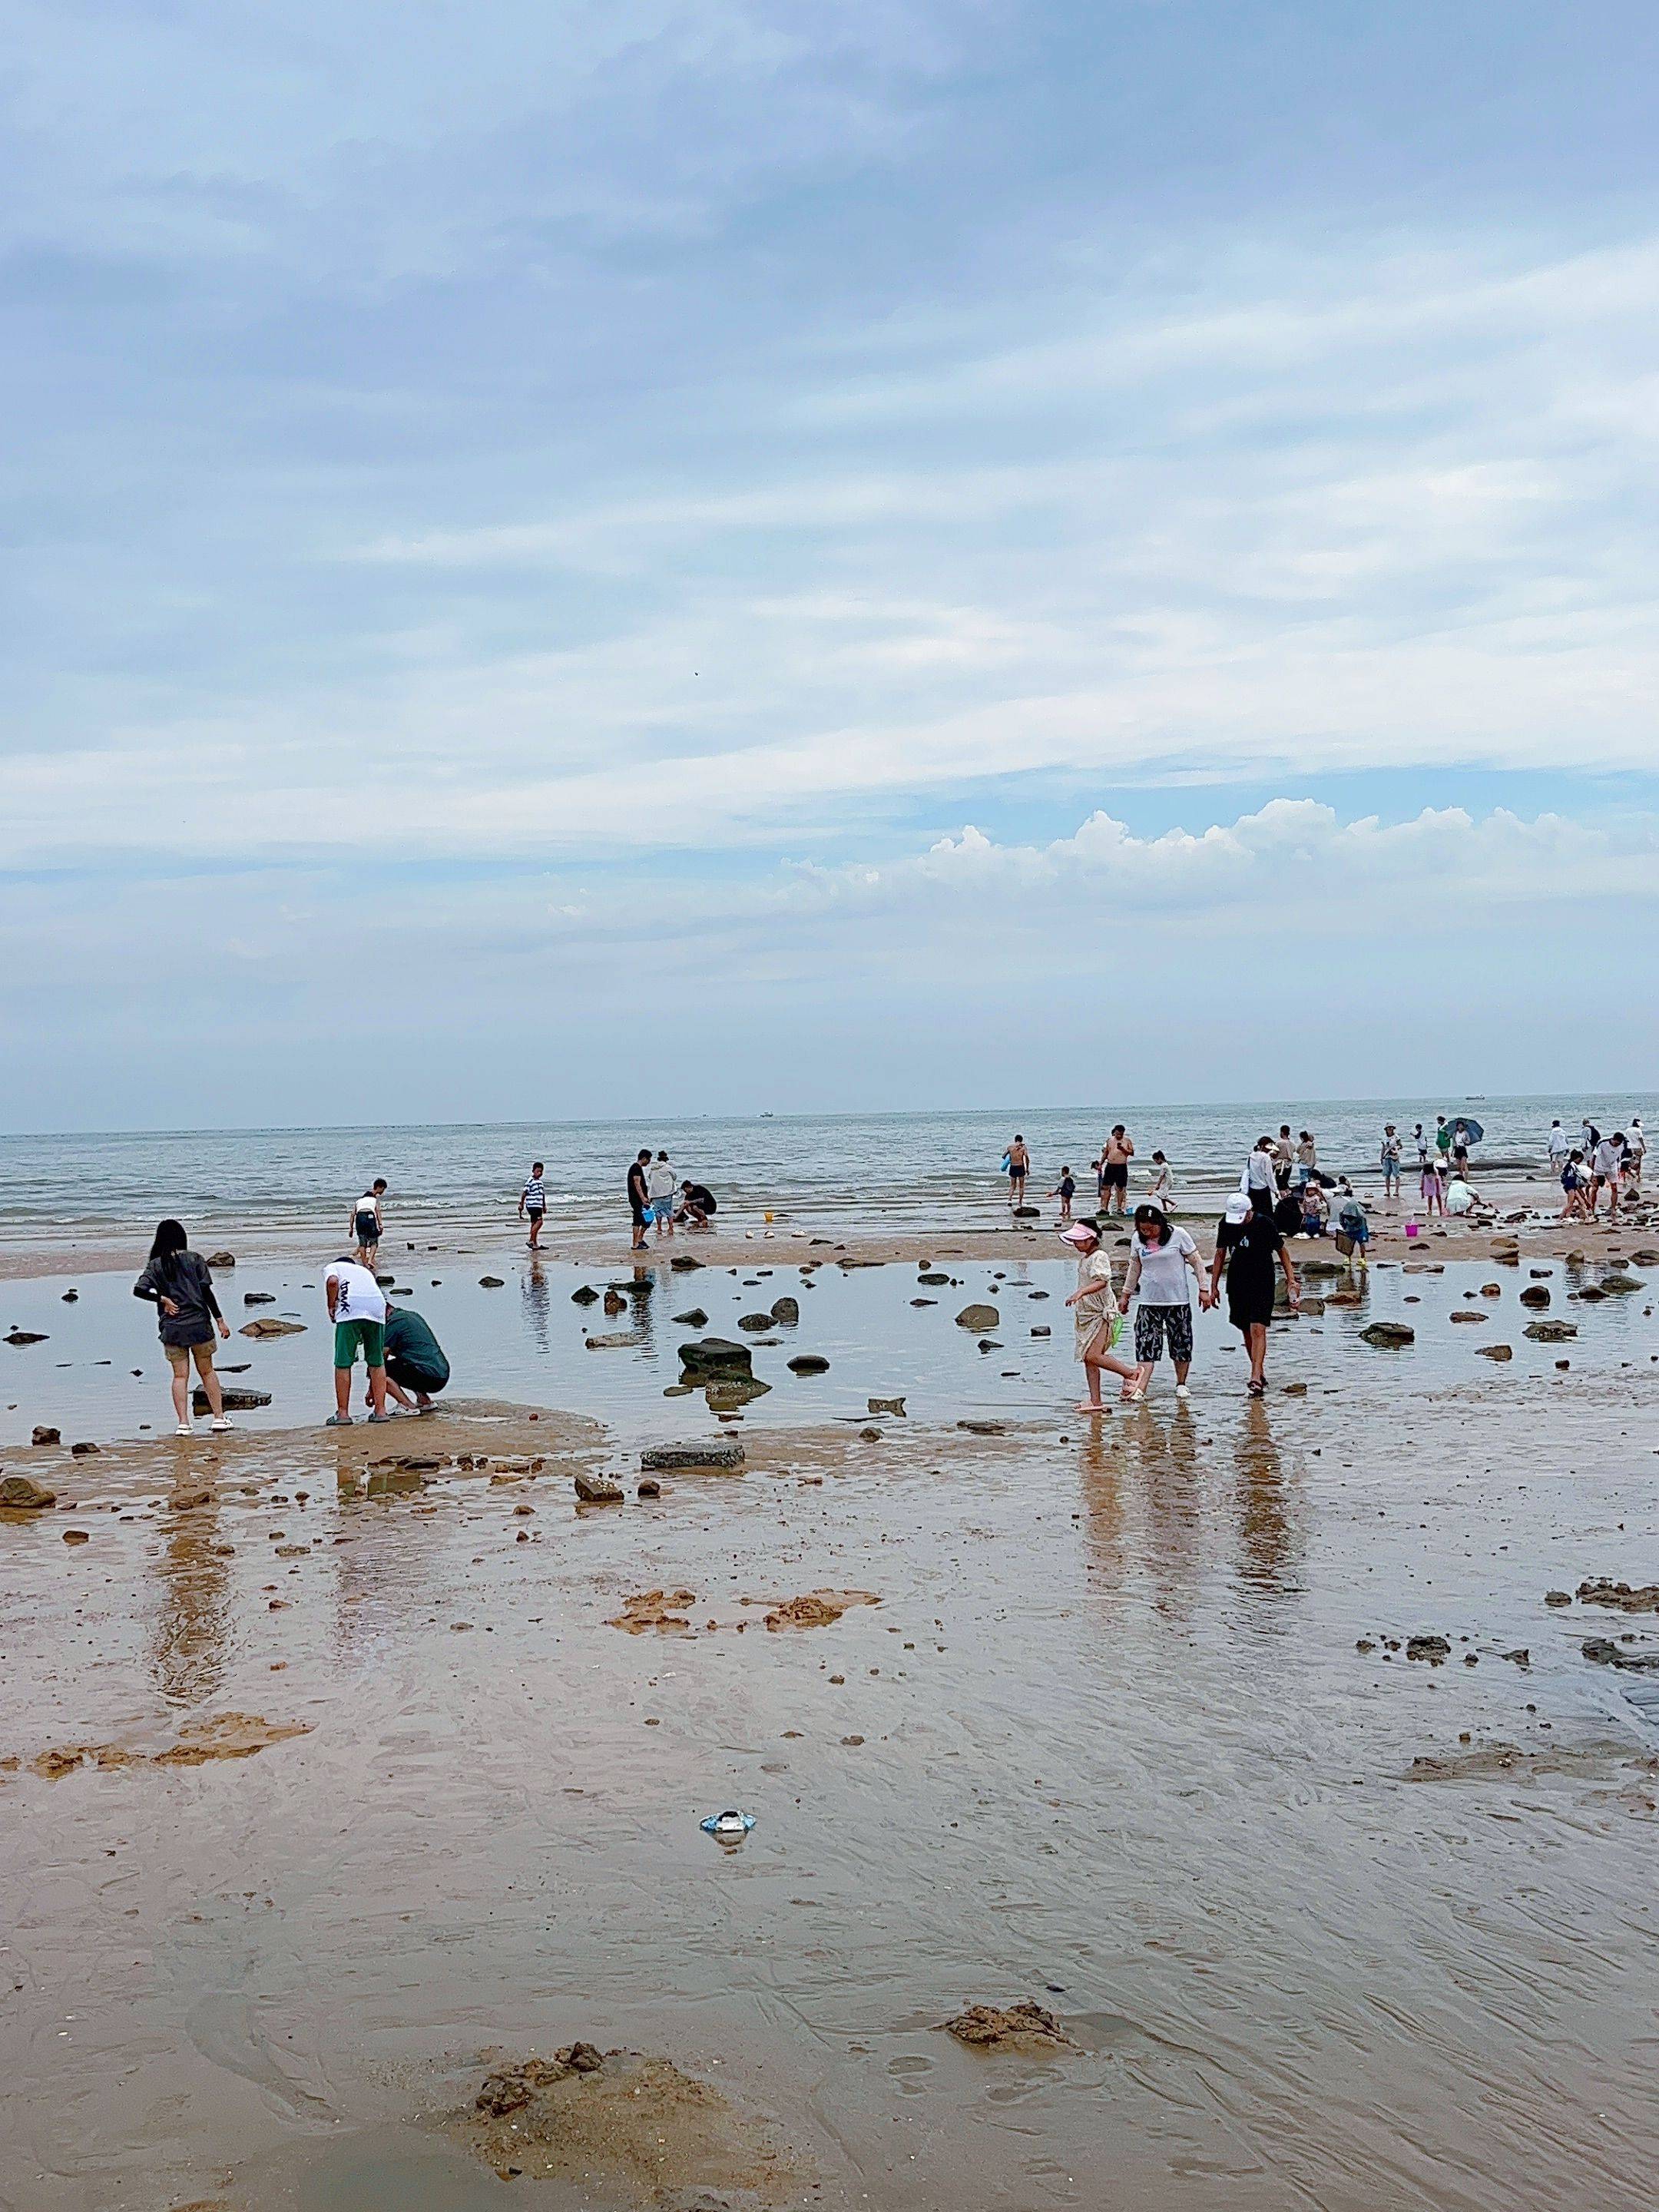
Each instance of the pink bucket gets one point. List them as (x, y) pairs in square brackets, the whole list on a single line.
[(1412, 1229)]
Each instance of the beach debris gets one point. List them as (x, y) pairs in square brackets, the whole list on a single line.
[(819, 1609), (222, 1735), (271, 1325), (893, 1406), (978, 1318), (1388, 1336), (1550, 1332), (1434, 1649), (1602, 1651), (1026, 2025), (513, 2087), (21, 1493), (1598, 1590), (625, 2127), (716, 1451), (809, 1363), (661, 1609), (731, 1826), (597, 1489)]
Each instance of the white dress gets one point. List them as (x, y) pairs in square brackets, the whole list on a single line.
[(1094, 1280)]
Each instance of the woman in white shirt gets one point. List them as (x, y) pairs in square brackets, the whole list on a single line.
[(1094, 1312), (1161, 1259), (662, 1183)]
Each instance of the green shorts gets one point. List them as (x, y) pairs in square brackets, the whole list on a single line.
[(349, 1334)]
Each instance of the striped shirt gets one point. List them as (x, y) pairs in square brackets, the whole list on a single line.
[(535, 1195)]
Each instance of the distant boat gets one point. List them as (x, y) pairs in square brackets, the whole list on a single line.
[(1470, 1098)]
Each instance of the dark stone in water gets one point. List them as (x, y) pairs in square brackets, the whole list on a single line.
[(809, 1363), (588, 1296), (717, 1356), (237, 1399)]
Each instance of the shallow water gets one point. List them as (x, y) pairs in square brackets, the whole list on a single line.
[(296, 1187), (526, 1341), (1117, 1738)]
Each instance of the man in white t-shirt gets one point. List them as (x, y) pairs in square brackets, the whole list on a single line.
[(1560, 1147), (1636, 1146), (356, 1306)]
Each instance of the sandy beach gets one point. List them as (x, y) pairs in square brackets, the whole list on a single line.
[(348, 1774)]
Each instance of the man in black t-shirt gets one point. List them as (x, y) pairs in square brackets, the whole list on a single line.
[(638, 1196), (696, 1204), (1249, 1244)]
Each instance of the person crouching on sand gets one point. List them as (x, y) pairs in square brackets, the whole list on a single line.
[(1094, 1309)]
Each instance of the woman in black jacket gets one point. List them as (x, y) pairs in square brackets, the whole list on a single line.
[(178, 1283)]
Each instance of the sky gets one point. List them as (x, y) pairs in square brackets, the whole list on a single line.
[(572, 559)]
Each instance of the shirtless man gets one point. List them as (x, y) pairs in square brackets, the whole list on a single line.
[(1115, 1158), (1019, 1166)]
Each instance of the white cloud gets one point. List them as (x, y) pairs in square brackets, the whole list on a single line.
[(1363, 876)]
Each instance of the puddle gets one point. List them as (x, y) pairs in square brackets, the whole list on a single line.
[(526, 1342)]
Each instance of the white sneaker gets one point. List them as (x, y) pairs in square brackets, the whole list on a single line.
[(184, 1429), (1181, 1391), (220, 1425)]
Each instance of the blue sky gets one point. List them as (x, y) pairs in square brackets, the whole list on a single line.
[(677, 557)]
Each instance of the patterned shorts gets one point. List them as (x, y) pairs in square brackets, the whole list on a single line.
[(1157, 1326)]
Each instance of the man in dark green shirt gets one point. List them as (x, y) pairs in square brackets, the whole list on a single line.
[(415, 1363)]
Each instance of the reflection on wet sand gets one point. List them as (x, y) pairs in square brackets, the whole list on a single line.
[(1269, 1538), (192, 1625)]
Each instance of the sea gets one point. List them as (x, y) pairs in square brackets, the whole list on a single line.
[(822, 1172)]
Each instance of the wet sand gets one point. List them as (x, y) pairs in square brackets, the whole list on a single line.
[(998, 1238), (1321, 1923)]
